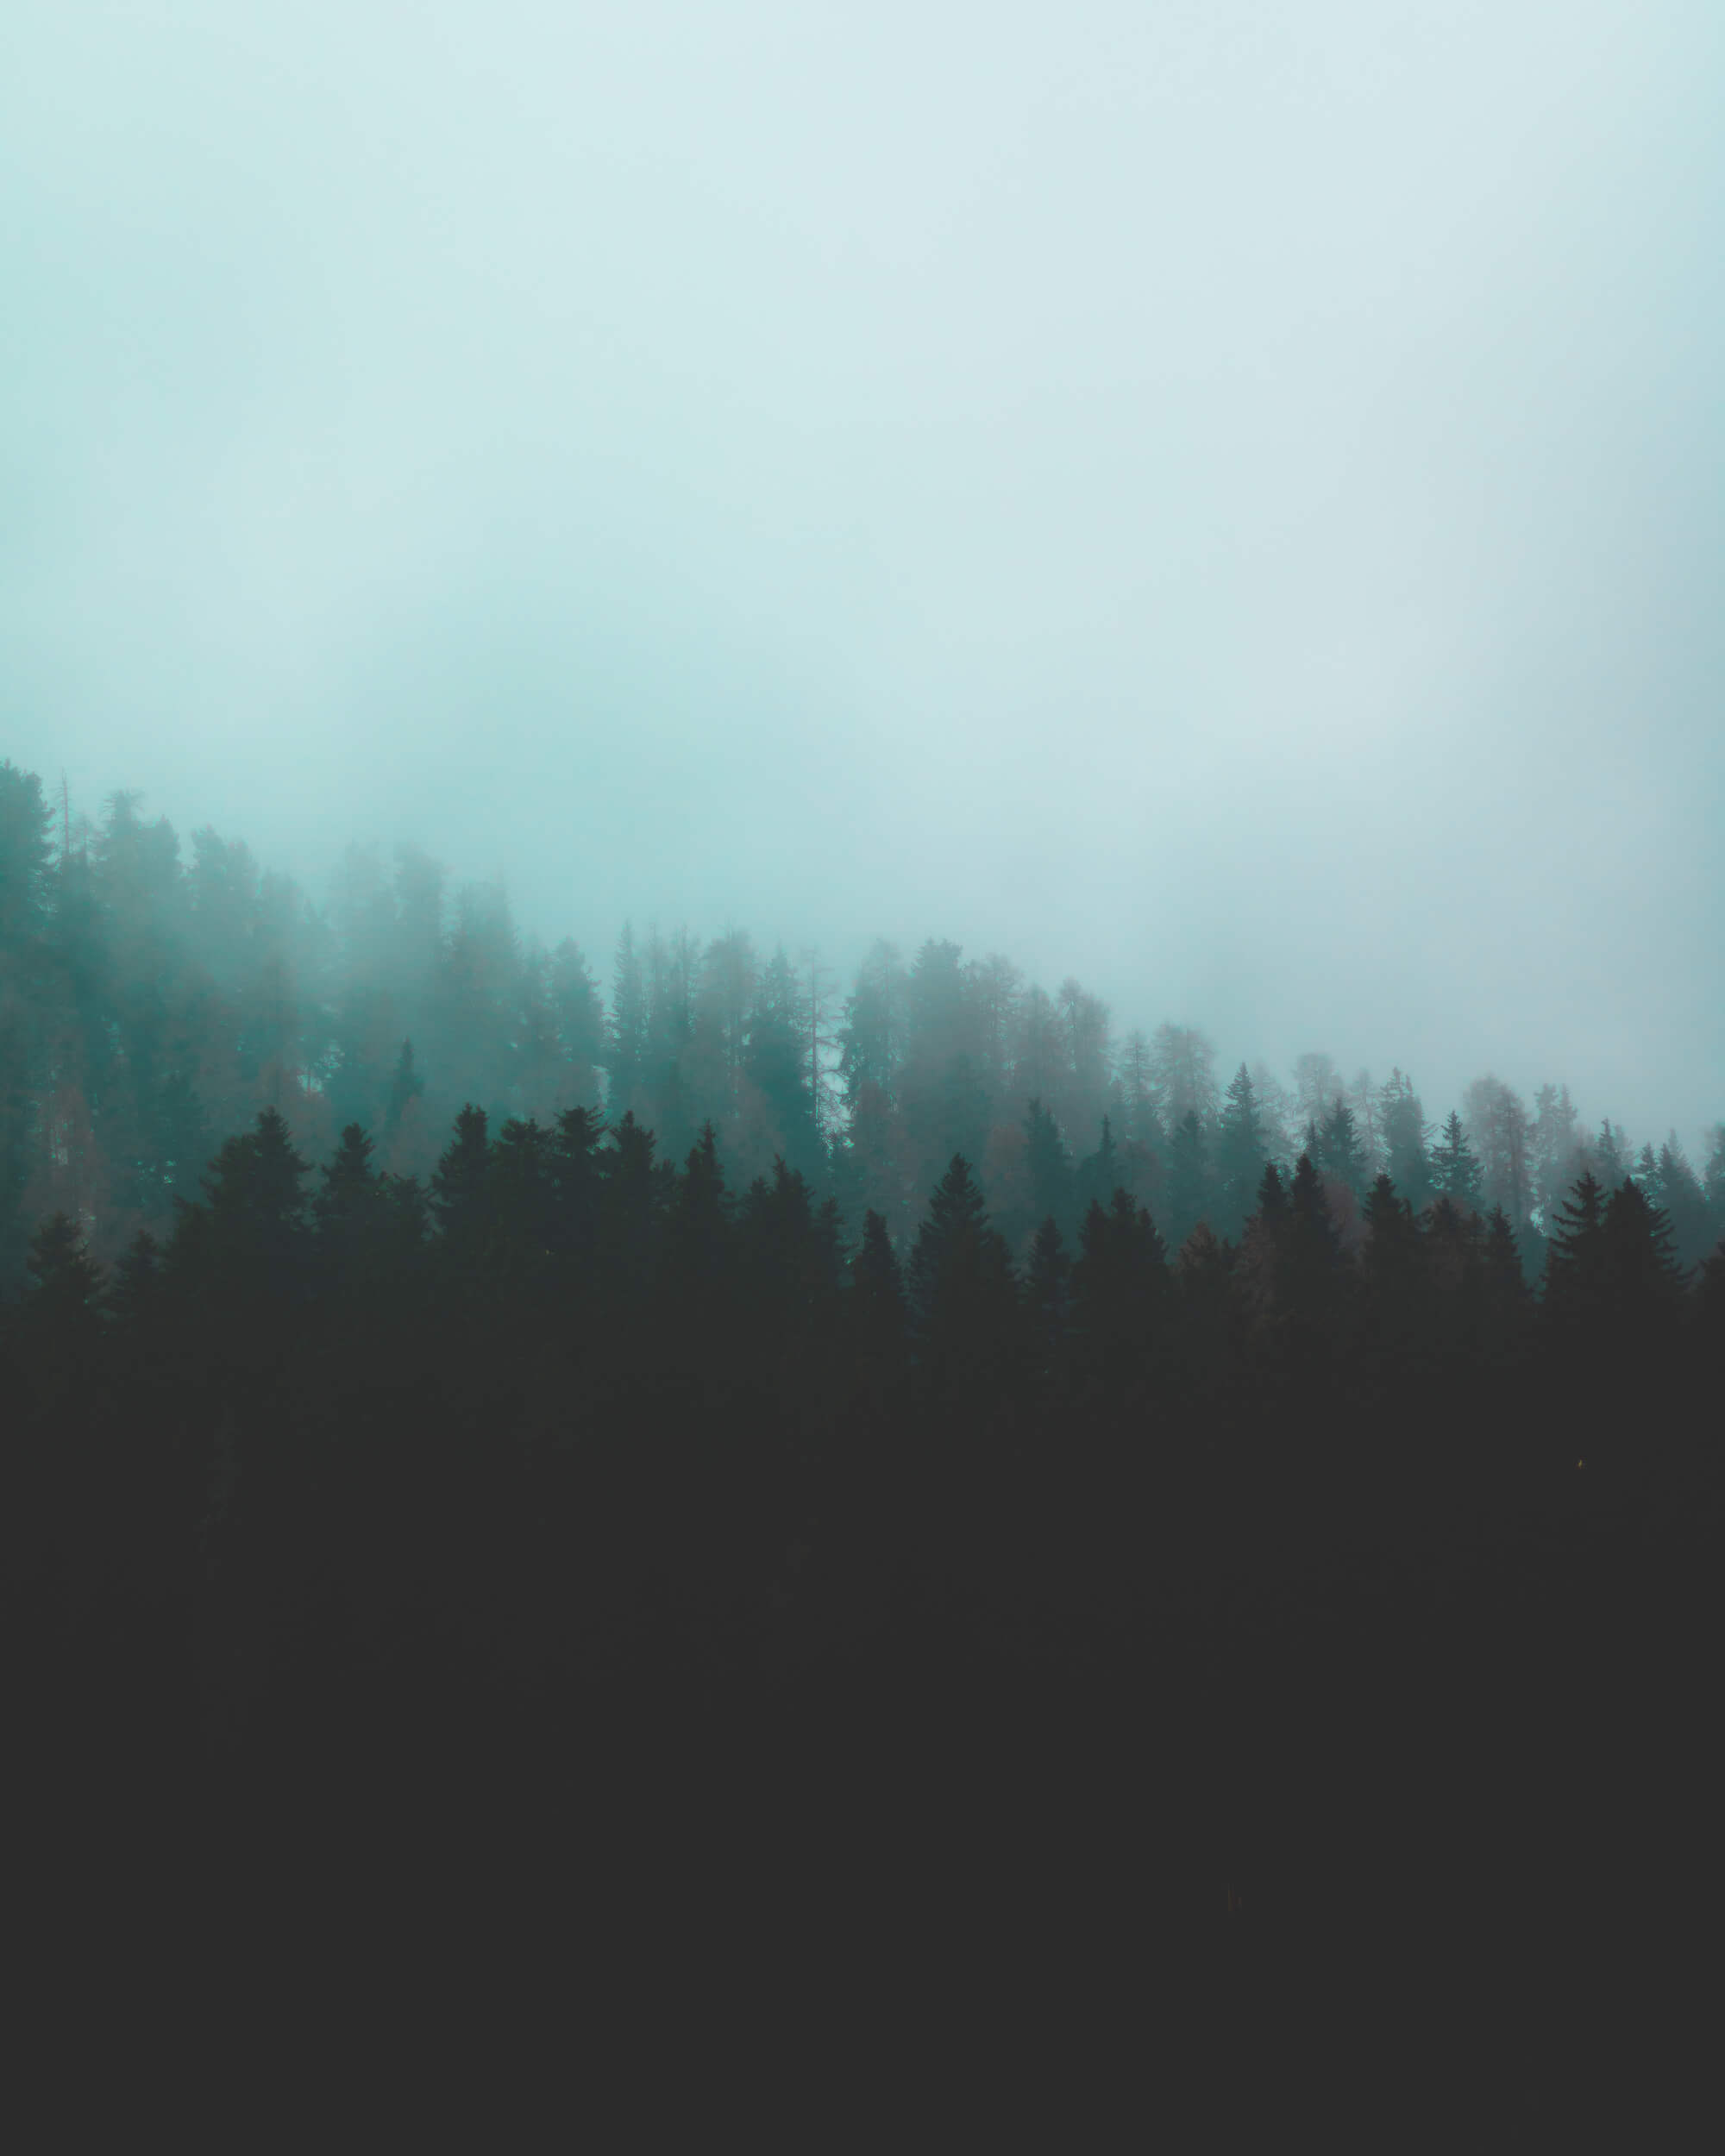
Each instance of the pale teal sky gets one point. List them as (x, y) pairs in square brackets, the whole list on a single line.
[(1226, 500)]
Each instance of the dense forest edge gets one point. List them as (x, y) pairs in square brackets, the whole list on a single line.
[(1007, 1481)]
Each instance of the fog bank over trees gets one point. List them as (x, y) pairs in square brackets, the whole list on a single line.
[(157, 995)]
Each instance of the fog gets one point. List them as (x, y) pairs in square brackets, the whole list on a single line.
[(1226, 502)]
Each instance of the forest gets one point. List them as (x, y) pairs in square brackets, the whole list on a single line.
[(742, 1457)]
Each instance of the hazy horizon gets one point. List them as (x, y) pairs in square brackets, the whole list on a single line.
[(1227, 507)]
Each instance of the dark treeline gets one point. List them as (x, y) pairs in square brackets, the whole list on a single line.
[(897, 1481)]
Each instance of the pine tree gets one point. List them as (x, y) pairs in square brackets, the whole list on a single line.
[(1455, 1171), (134, 1291), (698, 1229), (1204, 1277), (877, 1313), (1313, 1273), (1683, 1201), (579, 1016), (406, 1087), (1713, 1187), (1119, 1289), (58, 1331), (1141, 1121), (1241, 1153), (573, 1178), (1497, 1123), (1256, 1271), (1182, 1069), (626, 1034), (630, 1211), (1394, 1299), (1406, 1157), (1576, 1274), (26, 855), (257, 1206), (461, 1195), (1047, 1296), (871, 1041), (1049, 1164), (1509, 1300), (349, 1213), (519, 1206), (1611, 1156), (1189, 1193), (776, 1066), (963, 1298), (1339, 1152), (1099, 1174), (1644, 1278)]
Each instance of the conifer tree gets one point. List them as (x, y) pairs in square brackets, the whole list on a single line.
[(1455, 1171), (257, 1206), (775, 1063), (877, 1313), (871, 1041), (1339, 1152), (26, 855), (1120, 1294), (1257, 1272), (1313, 1270), (405, 1086), (1576, 1274), (1204, 1275), (1099, 1174), (461, 1194), (962, 1295), (1241, 1153), (1047, 1300), (627, 1033), (1048, 1163), (1684, 1202), (1610, 1155), (631, 1205), (59, 1328), (1405, 1159), (1189, 1193), (698, 1238), (519, 1203), (1713, 1187), (349, 1213), (573, 1179), (1508, 1300), (134, 1291), (136, 1301), (1644, 1278), (578, 1013)]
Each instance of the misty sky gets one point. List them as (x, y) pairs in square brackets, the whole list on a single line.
[(1227, 500)]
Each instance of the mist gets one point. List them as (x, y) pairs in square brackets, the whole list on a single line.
[(1226, 505)]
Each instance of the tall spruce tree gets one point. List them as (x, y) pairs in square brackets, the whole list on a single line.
[(1455, 1171), (1241, 1153), (877, 1314), (1119, 1297), (1189, 1193), (1406, 1157), (962, 1297), (1047, 1306), (1048, 1164), (1340, 1151), (1575, 1273)]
